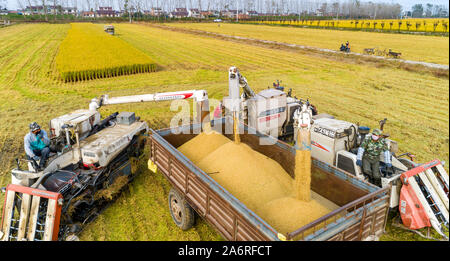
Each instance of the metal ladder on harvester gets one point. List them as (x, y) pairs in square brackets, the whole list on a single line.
[(30, 214), (424, 197)]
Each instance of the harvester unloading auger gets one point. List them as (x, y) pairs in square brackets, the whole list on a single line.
[(91, 163)]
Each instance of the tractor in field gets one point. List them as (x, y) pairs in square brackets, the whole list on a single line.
[(344, 48)]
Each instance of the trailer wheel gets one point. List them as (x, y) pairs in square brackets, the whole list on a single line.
[(182, 214)]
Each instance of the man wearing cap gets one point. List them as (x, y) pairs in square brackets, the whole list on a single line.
[(369, 156), (36, 144)]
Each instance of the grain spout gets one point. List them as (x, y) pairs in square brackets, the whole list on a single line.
[(303, 165)]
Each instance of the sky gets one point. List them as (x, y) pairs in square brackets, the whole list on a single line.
[(406, 4)]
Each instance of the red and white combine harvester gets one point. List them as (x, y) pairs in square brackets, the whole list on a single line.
[(424, 197)]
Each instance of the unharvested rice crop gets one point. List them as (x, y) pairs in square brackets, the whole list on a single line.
[(435, 25), (89, 53), (257, 181)]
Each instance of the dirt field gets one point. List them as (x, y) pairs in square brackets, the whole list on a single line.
[(416, 104)]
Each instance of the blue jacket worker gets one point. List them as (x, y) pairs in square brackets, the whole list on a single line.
[(36, 144)]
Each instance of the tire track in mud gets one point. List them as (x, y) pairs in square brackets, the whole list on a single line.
[(37, 59), (16, 47)]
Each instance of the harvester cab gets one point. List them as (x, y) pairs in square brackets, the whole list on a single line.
[(419, 191), (92, 162), (271, 111), (336, 142)]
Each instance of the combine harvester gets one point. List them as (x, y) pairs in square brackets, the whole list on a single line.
[(336, 142), (109, 29), (93, 155), (92, 163)]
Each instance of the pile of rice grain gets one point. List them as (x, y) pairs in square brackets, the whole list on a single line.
[(289, 214), (202, 145), (257, 181), (250, 176)]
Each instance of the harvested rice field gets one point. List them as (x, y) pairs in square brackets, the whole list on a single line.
[(416, 104)]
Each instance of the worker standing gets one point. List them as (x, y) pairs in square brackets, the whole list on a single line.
[(36, 144), (369, 156)]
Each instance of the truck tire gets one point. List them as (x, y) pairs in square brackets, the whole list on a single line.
[(182, 214)]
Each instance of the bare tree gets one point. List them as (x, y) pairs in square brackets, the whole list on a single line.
[(19, 4), (3, 4), (54, 9), (89, 4), (428, 10), (96, 6), (335, 9)]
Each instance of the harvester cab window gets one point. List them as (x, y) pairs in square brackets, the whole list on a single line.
[(346, 164)]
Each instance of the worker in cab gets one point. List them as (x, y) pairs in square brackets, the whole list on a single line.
[(36, 144), (368, 156)]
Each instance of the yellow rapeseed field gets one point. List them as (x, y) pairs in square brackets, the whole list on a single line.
[(434, 49), (89, 53), (435, 25)]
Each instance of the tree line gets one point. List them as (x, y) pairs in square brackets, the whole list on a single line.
[(340, 9)]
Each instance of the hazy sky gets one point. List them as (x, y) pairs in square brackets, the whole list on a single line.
[(406, 4)]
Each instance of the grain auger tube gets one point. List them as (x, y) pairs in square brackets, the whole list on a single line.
[(88, 156), (200, 98), (303, 153)]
